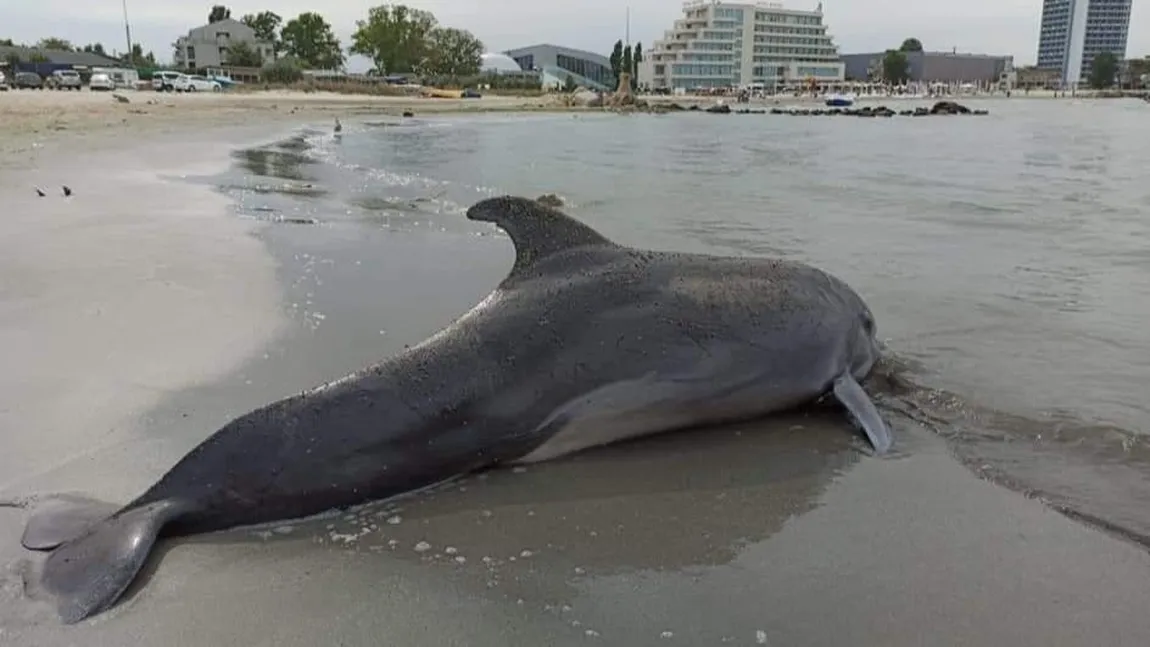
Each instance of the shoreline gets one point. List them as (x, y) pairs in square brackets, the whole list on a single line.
[(33, 122)]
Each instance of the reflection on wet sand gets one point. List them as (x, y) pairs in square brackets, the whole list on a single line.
[(675, 502)]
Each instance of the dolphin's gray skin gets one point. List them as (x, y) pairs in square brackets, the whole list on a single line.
[(585, 342)]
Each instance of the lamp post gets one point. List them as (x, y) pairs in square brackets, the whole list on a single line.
[(128, 33)]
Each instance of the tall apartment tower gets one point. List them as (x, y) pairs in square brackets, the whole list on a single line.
[(1073, 32)]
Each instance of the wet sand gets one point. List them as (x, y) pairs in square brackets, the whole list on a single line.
[(140, 314)]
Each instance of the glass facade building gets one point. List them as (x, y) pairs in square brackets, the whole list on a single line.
[(588, 69)]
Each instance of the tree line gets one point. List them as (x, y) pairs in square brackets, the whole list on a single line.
[(625, 58), (398, 39)]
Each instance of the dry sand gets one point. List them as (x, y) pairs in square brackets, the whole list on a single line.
[(777, 533)]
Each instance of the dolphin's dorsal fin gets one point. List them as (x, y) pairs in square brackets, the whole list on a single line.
[(536, 230)]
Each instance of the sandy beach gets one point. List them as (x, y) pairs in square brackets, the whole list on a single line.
[(30, 119), (143, 290)]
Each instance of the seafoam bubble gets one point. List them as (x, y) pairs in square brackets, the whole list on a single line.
[(422, 547), (760, 637)]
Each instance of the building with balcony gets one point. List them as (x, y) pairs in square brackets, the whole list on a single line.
[(1073, 32), (934, 67), (207, 46), (723, 44), (554, 64)]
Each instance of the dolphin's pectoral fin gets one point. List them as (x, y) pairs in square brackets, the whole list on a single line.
[(862, 410), (536, 230), (90, 573), (63, 518)]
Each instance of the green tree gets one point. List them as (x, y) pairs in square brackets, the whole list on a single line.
[(452, 52), (625, 64), (617, 58), (1103, 69), (6, 42), (219, 12), (138, 57), (266, 25), (58, 44), (241, 54), (394, 37), (911, 45), (309, 39), (569, 84), (895, 67), (1136, 69), (636, 59), (94, 48)]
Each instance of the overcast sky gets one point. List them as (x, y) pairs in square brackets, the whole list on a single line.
[(981, 26)]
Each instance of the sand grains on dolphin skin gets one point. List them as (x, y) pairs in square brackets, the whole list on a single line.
[(639, 389)]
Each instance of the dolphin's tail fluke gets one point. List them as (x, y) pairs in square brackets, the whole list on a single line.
[(97, 556), (61, 518)]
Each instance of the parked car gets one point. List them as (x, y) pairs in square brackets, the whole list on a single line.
[(101, 82), (27, 81), (164, 81), (3, 82), (470, 93), (195, 83), (64, 80)]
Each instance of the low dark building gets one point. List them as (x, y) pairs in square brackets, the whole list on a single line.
[(46, 61), (933, 67)]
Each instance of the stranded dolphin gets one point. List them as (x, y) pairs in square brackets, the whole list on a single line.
[(584, 343)]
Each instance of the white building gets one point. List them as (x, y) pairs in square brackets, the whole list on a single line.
[(207, 46), (497, 63), (723, 44)]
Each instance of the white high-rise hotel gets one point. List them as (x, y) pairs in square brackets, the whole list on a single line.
[(1073, 32), (721, 44)]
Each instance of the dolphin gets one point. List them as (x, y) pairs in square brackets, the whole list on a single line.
[(585, 342)]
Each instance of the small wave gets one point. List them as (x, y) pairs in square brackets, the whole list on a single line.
[(1057, 457)]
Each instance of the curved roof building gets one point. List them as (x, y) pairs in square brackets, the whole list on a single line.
[(494, 62), (556, 64)]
